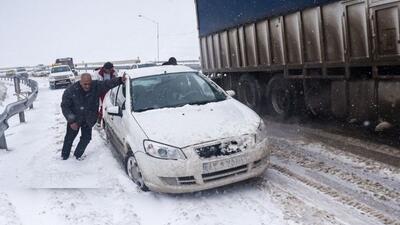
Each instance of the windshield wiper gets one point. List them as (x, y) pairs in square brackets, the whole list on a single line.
[(145, 109), (202, 102)]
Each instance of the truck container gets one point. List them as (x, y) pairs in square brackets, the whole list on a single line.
[(337, 58)]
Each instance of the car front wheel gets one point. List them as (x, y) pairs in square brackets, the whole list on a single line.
[(134, 173)]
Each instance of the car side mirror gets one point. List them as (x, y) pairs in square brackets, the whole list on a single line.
[(114, 111), (231, 93)]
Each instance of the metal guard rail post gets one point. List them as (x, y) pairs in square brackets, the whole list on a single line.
[(16, 107)]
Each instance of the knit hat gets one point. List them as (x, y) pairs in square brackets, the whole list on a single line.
[(108, 65)]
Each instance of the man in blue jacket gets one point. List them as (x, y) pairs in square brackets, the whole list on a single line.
[(80, 104)]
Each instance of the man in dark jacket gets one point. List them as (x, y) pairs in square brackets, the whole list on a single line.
[(80, 103)]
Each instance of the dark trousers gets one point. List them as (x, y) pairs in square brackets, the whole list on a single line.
[(86, 136)]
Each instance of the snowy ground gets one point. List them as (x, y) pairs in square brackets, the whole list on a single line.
[(309, 182)]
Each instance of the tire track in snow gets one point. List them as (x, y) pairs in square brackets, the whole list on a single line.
[(358, 177), (295, 208), (344, 174), (343, 198)]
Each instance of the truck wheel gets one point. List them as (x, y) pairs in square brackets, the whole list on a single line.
[(317, 96), (134, 173), (249, 92), (280, 97)]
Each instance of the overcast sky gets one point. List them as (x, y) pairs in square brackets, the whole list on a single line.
[(39, 31)]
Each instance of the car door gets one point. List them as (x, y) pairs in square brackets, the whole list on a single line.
[(119, 126), (108, 118)]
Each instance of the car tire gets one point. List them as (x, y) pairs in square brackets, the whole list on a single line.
[(134, 173)]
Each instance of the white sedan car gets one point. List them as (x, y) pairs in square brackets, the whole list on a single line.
[(177, 131)]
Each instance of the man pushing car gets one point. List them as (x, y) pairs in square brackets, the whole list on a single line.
[(80, 104)]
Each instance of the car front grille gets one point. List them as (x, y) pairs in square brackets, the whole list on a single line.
[(214, 176), (61, 77), (207, 177), (220, 149), (225, 147)]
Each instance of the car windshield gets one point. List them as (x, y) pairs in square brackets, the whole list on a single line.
[(60, 69), (173, 90), (21, 70)]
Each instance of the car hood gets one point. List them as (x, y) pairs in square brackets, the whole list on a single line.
[(67, 73), (194, 124)]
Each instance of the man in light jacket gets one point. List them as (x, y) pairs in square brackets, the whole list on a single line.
[(106, 72)]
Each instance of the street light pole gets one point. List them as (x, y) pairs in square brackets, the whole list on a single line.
[(158, 34)]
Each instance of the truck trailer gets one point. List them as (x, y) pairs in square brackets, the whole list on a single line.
[(337, 58)]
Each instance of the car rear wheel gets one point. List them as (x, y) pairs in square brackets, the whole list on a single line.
[(134, 173)]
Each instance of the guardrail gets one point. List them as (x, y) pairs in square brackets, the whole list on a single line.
[(17, 107)]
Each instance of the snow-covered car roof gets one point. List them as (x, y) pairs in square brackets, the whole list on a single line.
[(150, 71)]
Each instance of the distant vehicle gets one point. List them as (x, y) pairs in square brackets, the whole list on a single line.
[(142, 65), (22, 73), (67, 61), (61, 76), (227, 146), (138, 65), (40, 71), (11, 73)]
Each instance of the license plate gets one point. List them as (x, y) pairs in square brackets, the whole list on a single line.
[(224, 164), (62, 82)]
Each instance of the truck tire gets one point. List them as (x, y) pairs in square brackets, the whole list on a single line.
[(280, 97), (317, 98), (249, 92)]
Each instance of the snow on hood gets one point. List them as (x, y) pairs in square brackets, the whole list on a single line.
[(194, 124)]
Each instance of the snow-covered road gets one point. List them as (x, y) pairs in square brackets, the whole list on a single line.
[(309, 182)]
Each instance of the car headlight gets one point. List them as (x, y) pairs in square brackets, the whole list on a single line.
[(52, 78), (163, 151), (261, 133)]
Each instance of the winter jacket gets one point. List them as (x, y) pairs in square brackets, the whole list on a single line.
[(99, 74), (82, 107)]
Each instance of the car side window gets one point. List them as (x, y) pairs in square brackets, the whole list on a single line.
[(121, 96)]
